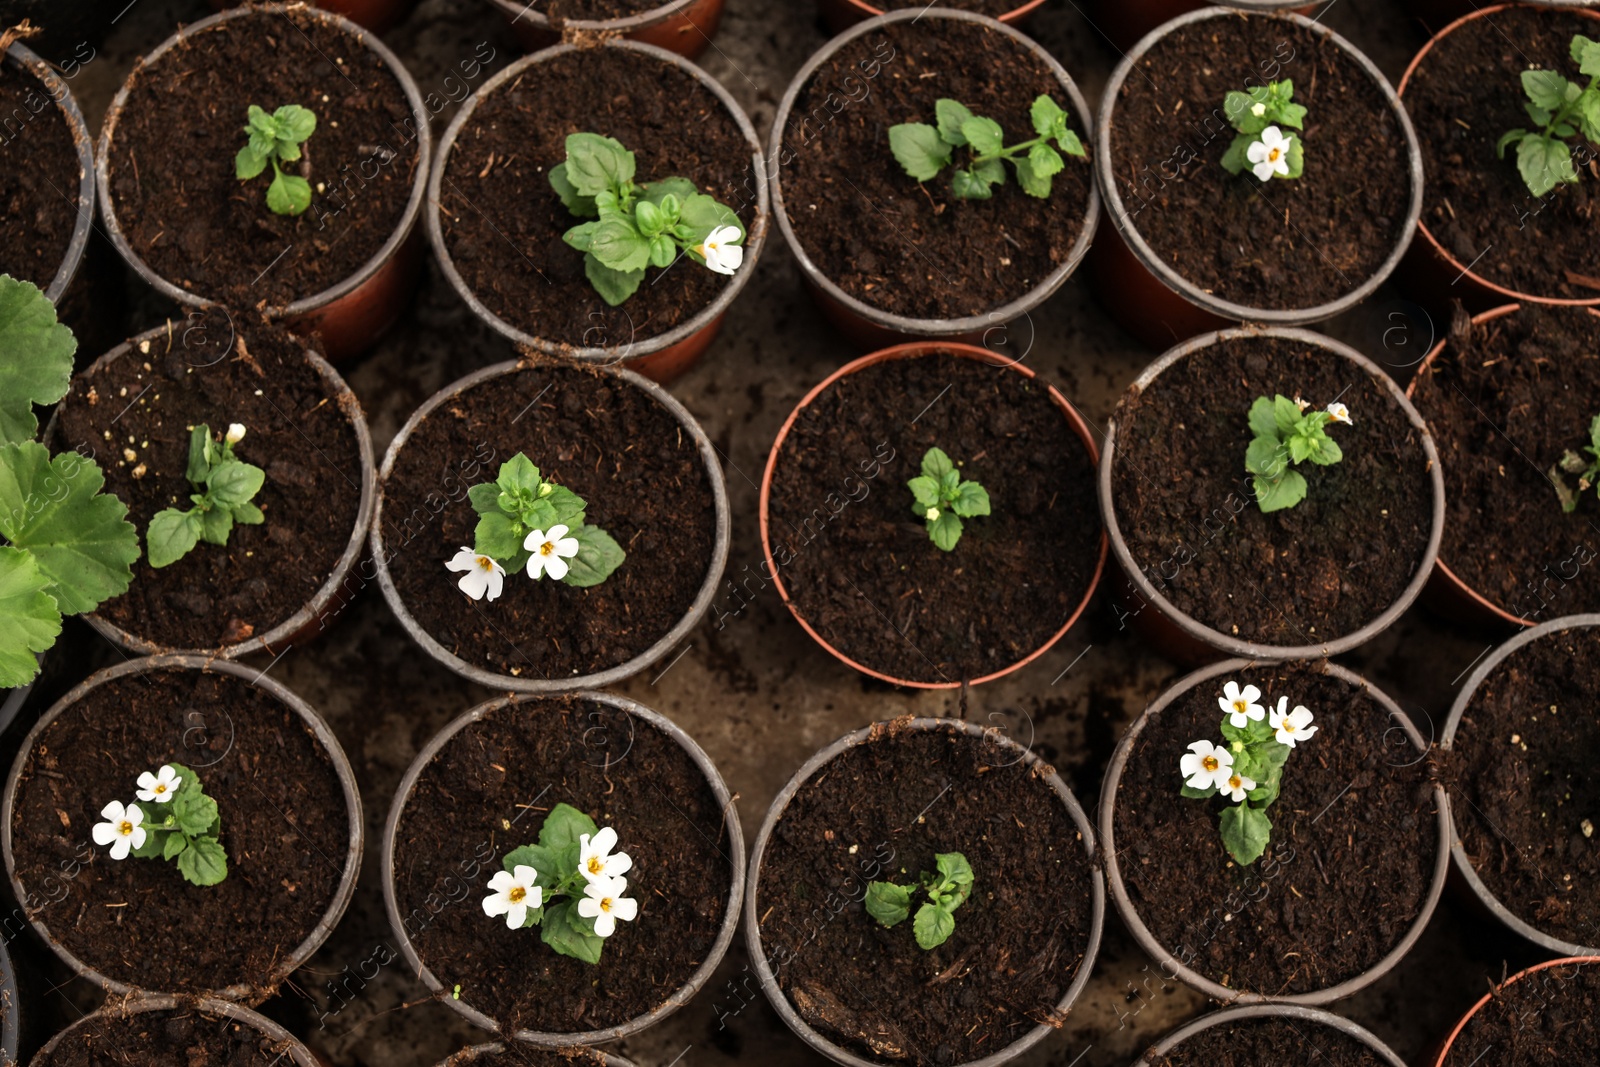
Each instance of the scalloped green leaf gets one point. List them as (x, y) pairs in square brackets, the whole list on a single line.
[(35, 357)]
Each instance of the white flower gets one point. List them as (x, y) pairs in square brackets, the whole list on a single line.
[(161, 786), (721, 254), (513, 893), (1270, 155), (1291, 726), (550, 552), (1258, 109), (1235, 786), (483, 575), (1206, 765), (932, 515), (604, 903), (595, 859), (235, 432), (1240, 704), (1339, 413), (121, 830)]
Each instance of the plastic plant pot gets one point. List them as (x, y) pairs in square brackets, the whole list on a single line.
[(353, 313), (664, 356), (1528, 975), (1293, 1013), (285, 1045), (10, 1008), (868, 327), (375, 15), (842, 14), (490, 1052), (1124, 23), (1433, 13), (682, 26)]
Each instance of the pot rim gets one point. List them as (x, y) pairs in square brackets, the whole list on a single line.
[(597, 679), (622, 24), (1181, 285), (916, 350), (147, 1002), (472, 1053), (337, 761), (903, 324), (889, 730), (755, 236), (11, 999), (1458, 853), (1279, 1010), (1147, 940), (316, 301), (1449, 1042), (1234, 646), (736, 862), (1023, 9)]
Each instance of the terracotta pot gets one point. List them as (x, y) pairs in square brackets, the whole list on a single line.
[(351, 314), (375, 15), (292, 1051), (912, 351), (1433, 13), (868, 327), (1291, 1012), (1123, 23), (489, 1050), (662, 357), (1449, 1042), (842, 14), (682, 26)]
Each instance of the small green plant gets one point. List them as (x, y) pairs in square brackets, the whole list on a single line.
[(1560, 108), (1587, 470), (224, 488), (1260, 145), (925, 150), (639, 225), (1285, 434), (946, 890), (275, 139), (172, 820), (942, 499)]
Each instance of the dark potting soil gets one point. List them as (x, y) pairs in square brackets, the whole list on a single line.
[(1505, 400), (468, 810), (879, 812), (1282, 244), (994, 8), (1546, 1017), (638, 469), (1462, 97), (855, 557), (559, 10), (39, 178), (134, 416), (181, 1037), (285, 827), (503, 222), (1261, 1041), (186, 213), (519, 1055), (1298, 576), (1525, 795), (1354, 843), (911, 249)]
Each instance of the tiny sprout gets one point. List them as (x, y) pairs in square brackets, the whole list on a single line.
[(1260, 144), (1561, 109), (1285, 434), (923, 151), (274, 139), (942, 499), (946, 890), (226, 486), (1587, 470), (177, 822)]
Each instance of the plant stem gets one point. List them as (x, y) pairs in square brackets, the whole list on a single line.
[(1007, 153)]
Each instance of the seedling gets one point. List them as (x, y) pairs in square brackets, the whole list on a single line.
[(946, 890), (1248, 769), (570, 885), (1285, 434), (173, 820), (1261, 144), (925, 150), (1587, 470), (640, 225), (942, 499), (1561, 109), (224, 488), (275, 139)]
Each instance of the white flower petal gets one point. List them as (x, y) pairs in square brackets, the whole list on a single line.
[(464, 560), (619, 863), (534, 539), (113, 811), (604, 925), (104, 833), (516, 915), (555, 567), (567, 546), (589, 907), (121, 847), (502, 881), (556, 532), (625, 908)]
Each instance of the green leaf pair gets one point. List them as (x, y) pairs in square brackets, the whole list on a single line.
[(1560, 109), (1258, 113), (942, 499), (556, 859), (1284, 436), (1587, 470), (226, 488), (946, 889), (923, 151), (520, 501), (185, 829)]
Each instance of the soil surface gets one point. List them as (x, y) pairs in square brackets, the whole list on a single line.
[(1354, 843), (39, 177), (1282, 244), (503, 222), (911, 249), (1505, 400), (181, 1037), (1462, 97), (467, 812), (1546, 1017), (284, 825), (855, 555), (527, 1056), (880, 812), (1253, 1042), (1304, 575), (633, 463), (558, 10), (183, 208), (993, 8), (134, 418), (1523, 786)]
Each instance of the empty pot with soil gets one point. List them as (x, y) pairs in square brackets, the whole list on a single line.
[(1257, 167), (928, 516), (902, 231), (1270, 1033), (565, 871), (1517, 752), (499, 1054), (682, 26), (1539, 1016), (924, 891), (842, 14), (271, 155), (617, 150), (1315, 549), (1290, 848), (197, 1033), (188, 811)]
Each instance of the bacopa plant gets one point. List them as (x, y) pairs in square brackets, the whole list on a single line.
[(923, 151), (943, 499), (1587, 470), (639, 225), (570, 885), (171, 819), (1285, 435), (1259, 114), (944, 889), (273, 140), (1247, 768), (224, 486), (1561, 109)]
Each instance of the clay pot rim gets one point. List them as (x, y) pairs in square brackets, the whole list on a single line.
[(138, 1004), (621, 24), (1526, 972), (1274, 1010)]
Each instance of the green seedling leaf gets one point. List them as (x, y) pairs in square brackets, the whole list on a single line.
[(984, 135), (29, 620), (971, 500), (569, 934), (1245, 833), (949, 114), (945, 530), (597, 164), (924, 492), (1047, 117), (618, 245), (614, 286), (80, 537), (919, 149), (1286, 492), (35, 357), (932, 926), (888, 903), (563, 826), (574, 201), (1033, 183), (204, 862), (598, 556)]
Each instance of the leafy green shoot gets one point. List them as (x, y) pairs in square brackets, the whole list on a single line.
[(923, 151), (1287, 434), (1560, 109), (1587, 470), (942, 499), (1258, 114), (520, 503), (275, 139), (225, 487), (944, 890)]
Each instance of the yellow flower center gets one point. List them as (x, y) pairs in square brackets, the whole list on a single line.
[(595, 866), (1287, 727), (1210, 763), (1240, 706), (547, 548), (1235, 782), (605, 904), (1273, 154), (126, 828), (517, 894), (485, 563), (161, 787)]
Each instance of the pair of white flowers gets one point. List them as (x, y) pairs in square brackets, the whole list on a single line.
[(123, 829), (551, 549), (1208, 766), (513, 892)]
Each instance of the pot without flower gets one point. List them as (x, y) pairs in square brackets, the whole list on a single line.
[(1125, 24), (842, 14), (375, 15), (498, 1054), (158, 1027), (682, 26), (1546, 1012), (1217, 1037)]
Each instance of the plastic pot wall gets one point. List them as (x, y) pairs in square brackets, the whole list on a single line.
[(682, 26)]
